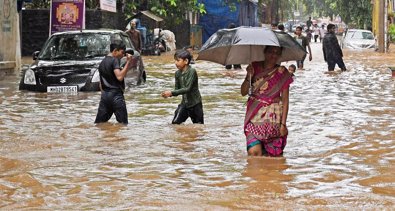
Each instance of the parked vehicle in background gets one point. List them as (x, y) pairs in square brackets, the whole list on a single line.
[(69, 62), (359, 39)]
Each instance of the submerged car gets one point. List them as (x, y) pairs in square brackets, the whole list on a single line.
[(359, 39), (69, 62)]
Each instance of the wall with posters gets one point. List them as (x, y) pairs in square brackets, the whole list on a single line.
[(67, 15), (108, 5), (35, 26), (9, 38)]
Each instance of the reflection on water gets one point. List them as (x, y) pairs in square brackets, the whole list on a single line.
[(340, 153)]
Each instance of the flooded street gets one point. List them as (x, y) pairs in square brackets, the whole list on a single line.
[(340, 152)]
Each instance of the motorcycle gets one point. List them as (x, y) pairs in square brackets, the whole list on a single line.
[(159, 43)]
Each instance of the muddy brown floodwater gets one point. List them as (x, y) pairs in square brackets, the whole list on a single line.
[(340, 152)]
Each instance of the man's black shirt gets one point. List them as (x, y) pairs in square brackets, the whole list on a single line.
[(108, 80)]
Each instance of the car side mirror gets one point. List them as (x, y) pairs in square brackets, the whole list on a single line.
[(129, 51), (35, 55)]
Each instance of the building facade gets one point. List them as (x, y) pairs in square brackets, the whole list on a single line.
[(10, 59)]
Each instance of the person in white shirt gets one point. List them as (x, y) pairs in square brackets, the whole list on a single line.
[(322, 32), (316, 32)]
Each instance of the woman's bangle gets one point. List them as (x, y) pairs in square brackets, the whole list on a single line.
[(283, 124)]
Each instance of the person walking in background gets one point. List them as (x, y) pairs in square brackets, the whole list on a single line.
[(265, 123), (235, 66), (305, 43), (186, 84), (112, 85), (332, 52), (309, 22), (309, 35), (316, 32), (322, 32), (135, 36)]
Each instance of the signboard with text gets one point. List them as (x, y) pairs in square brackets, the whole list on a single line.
[(67, 15), (109, 5)]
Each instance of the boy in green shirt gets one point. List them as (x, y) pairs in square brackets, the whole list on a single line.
[(186, 84)]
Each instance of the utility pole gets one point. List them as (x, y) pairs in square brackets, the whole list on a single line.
[(382, 32)]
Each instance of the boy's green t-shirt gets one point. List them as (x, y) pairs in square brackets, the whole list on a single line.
[(186, 84)]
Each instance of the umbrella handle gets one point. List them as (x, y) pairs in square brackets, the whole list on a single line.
[(250, 89)]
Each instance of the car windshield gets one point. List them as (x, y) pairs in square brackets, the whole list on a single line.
[(361, 35), (79, 46)]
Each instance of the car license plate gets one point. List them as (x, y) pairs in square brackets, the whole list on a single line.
[(62, 89)]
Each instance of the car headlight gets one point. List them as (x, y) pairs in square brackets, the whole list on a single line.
[(30, 78), (96, 77)]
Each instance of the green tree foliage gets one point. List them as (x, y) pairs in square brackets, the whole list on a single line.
[(282, 8), (173, 11), (38, 4), (356, 12), (391, 32)]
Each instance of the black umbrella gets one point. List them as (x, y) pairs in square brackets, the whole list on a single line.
[(243, 45)]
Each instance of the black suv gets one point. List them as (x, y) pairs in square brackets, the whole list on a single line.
[(69, 62)]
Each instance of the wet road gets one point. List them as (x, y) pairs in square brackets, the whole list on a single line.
[(340, 152)]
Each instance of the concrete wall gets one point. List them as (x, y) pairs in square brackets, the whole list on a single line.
[(35, 26), (9, 38)]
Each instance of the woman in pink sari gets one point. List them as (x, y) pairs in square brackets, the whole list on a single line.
[(265, 124)]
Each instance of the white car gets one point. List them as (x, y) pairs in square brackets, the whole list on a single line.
[(359, 39)]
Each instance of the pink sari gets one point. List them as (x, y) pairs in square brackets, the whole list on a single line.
[(264, 110)]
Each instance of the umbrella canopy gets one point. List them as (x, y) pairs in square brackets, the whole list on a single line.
[(244, 45), (292, 50)]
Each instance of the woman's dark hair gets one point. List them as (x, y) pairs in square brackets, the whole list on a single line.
[(293, 66), (299, 27), (183, 54), (271, 46)]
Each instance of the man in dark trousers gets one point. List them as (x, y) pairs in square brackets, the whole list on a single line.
[(112, 85), (332, 52)]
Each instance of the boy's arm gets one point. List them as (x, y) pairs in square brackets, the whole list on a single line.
[(188, 86), (121, 73)]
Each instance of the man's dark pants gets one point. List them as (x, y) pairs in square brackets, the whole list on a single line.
[(112, 102), (332, 63), (300, 63), (182, 113)]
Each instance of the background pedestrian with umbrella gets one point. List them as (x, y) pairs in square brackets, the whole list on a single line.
[(266, 83)]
